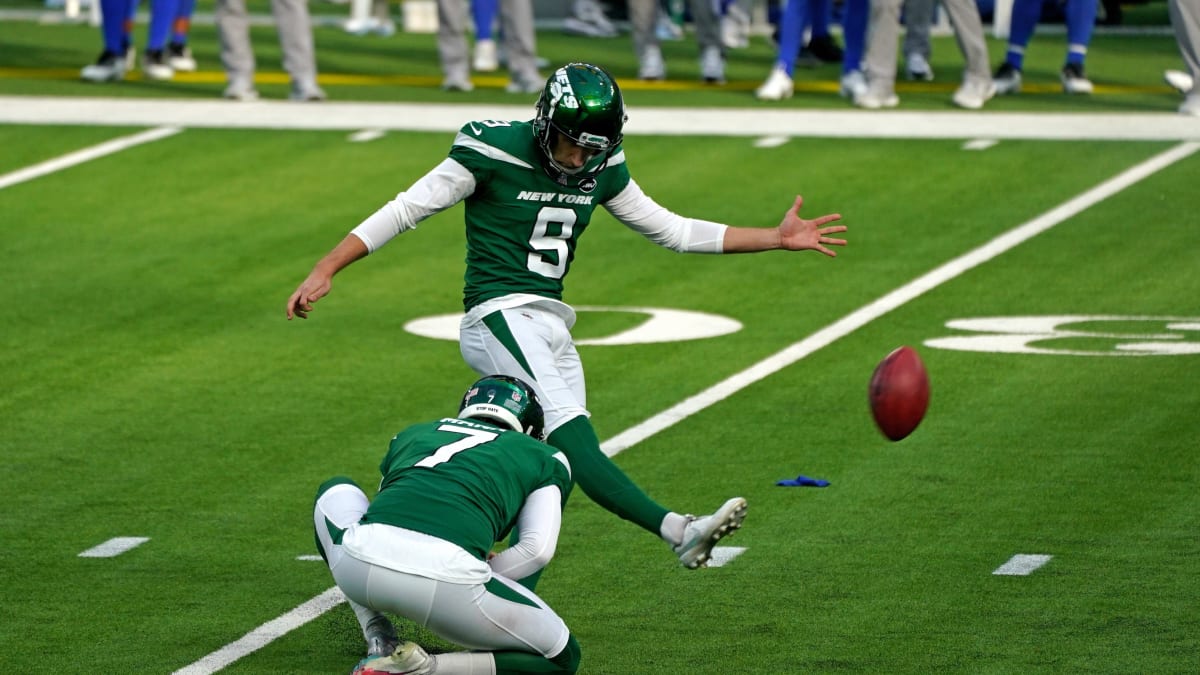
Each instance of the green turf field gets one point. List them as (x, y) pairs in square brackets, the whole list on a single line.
[(153, 388)]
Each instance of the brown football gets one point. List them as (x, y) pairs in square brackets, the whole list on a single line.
[(899, 393)]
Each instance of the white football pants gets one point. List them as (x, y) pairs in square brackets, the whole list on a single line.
[(497, 615), (536, 346)]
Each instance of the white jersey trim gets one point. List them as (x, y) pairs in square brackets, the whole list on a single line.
[(490, 151)]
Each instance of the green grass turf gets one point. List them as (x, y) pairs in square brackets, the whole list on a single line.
[(152, 388)]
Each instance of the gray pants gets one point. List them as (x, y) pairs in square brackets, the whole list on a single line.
[(295, 39), (643, 15), (918, 19), (516, 28), (1185, 17), (883, 36)]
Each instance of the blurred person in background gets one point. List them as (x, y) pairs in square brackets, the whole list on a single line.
[(517, 34), (1081, 21), (117, 18), (1185, 19), (294, 27)]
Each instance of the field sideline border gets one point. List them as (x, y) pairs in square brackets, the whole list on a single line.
[(345, 116)]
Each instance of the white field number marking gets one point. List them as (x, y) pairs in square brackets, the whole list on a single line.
[(1022, 564), (723, 554), (114, 547), (1163, 335)]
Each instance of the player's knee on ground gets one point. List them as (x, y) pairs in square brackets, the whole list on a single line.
[(568, 658)]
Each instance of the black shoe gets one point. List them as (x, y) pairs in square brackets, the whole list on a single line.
[(824, 49), (1007, 79), (154, 65)]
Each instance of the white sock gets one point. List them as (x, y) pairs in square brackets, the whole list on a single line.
[(465, 663), (672, 527)]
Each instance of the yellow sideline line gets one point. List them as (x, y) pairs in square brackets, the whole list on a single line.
[(498, 82)]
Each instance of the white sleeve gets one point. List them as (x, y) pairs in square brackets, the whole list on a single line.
[(538, 524), (446, 185), (664, 227)]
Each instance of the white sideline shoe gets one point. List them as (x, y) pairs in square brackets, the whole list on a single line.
[(1179, 80), (874, 99), (109, 67), (853, 85), (777, 87), (712, 65), (486, 59), (917, 68), (1074, 81), (1007, 79), (408, 659), (240, 90), (651, 65), (974, 92), (701, 534)]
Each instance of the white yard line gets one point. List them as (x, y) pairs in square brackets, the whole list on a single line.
[(265, 634), (1022, 564), (322, 603), (114, 547), (752, 122), (86, 155)]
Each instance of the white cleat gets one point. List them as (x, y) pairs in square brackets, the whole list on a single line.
[(974, 92), (701, 534), (1180, 80), (408, 659), (778, 86)]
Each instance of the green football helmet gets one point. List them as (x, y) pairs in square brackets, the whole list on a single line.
[(505, 401), (583, 103)]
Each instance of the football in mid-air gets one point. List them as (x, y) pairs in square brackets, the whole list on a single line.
[(899, 393)]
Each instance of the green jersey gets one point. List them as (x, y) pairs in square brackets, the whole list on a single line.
[(464, 481), (522, 225)]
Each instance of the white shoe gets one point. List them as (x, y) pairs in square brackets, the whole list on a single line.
[(180, 58), (712, 65), (974, 92), (588, 19), (306, 91), (408, 659), (485, 60), (457, 79), (1179, 80), (666, 29), (240, 90), (735, 28), (109, 67), (360, 27), (875, 98), (1191, 105), (853, 85), (154, 65), (778, 86), (1074, 81), (917, 68), (1007, 79), (651, 65), (701, 534)]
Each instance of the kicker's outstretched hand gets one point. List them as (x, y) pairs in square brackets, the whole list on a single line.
[(798, 234)]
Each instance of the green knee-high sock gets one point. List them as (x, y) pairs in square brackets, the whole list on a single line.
[(601, 480)]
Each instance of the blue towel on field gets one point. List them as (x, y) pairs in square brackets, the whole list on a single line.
[(803, 481)]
